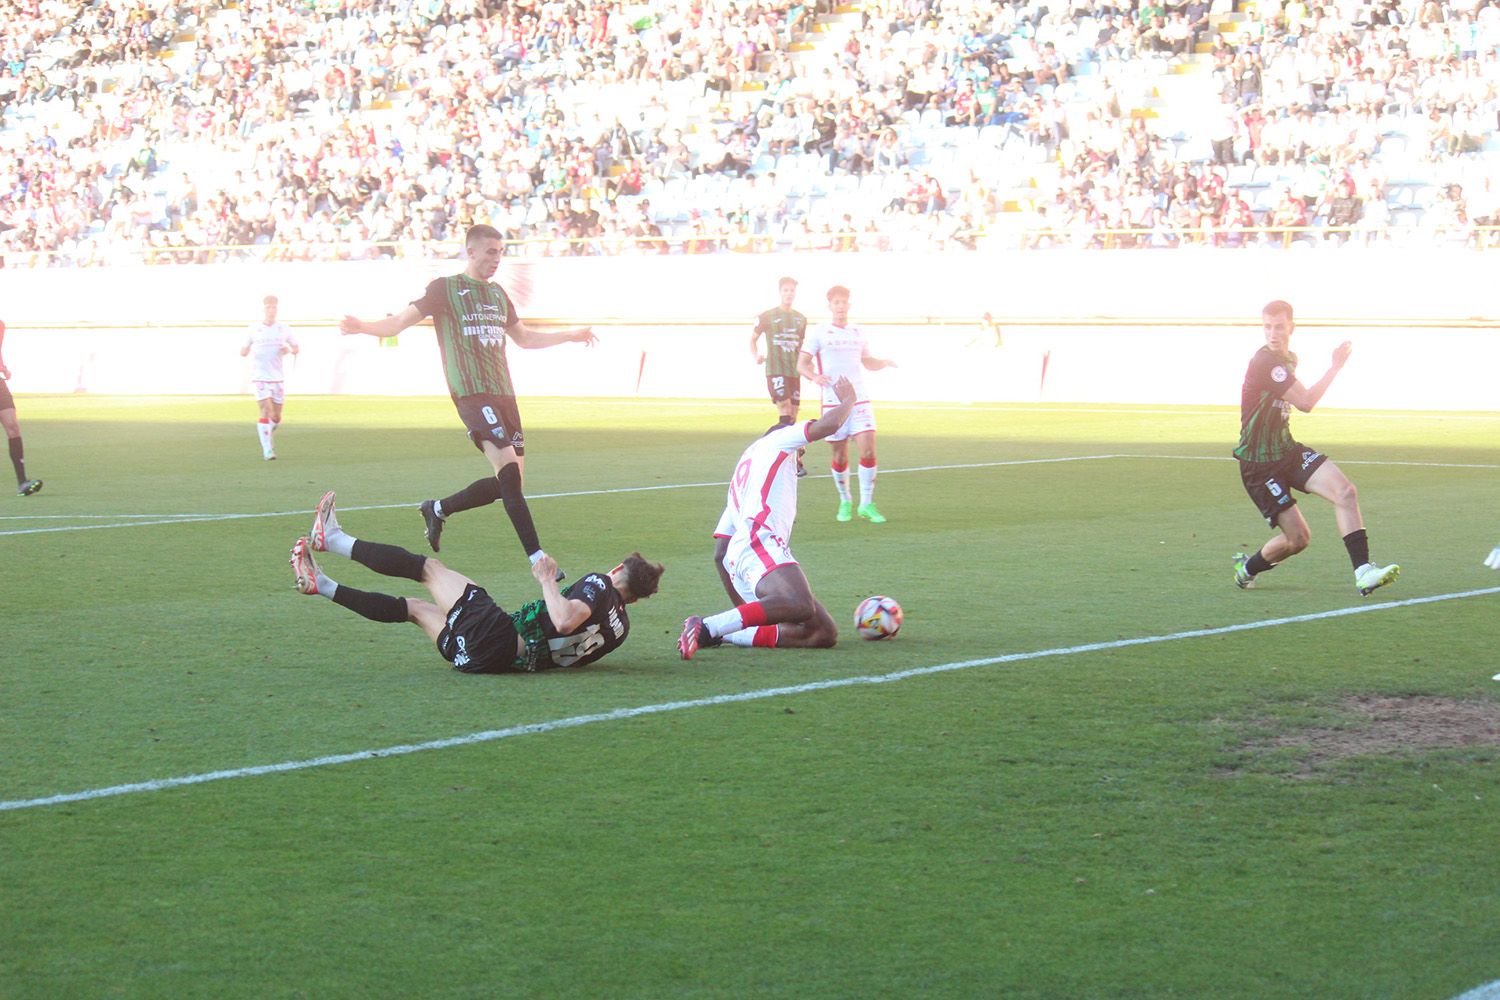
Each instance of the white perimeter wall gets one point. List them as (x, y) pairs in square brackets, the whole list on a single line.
[(179, 329)]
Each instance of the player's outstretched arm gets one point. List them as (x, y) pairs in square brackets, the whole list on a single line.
[(1493, 562), (874, 364), (533, 339), (808, 370), (1305, 397), (832, 420), (566, 613), (388, 327)]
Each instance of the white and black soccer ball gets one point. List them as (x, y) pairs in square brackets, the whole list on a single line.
[(877, 617)]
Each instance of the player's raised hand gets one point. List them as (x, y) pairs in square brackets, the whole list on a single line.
[(844, 390), (351, 325), (544, 569), (1341, 353)]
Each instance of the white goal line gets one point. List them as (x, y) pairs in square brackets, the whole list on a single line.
[(613, 715), (150, 520)]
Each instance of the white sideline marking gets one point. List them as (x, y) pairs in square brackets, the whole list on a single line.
[(718, 699), (149, 520), (1489, 991)]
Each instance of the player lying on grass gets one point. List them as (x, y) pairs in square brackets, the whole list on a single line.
[(773, 603), (1272, 463), (571, 628)]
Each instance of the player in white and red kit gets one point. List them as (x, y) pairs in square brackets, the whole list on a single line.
[(773, 603), (837, 349), (265, 343)]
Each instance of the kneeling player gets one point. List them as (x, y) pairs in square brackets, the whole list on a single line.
[(571, 628), (774, 606)]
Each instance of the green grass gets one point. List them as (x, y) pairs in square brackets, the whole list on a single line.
[(1080, 825)]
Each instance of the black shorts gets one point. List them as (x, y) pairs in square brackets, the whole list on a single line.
[(784, 387), (7, 401), (492, 418), (480, 637), (1270, 484)]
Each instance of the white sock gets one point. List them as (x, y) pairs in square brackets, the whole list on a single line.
[(725, 623), (326, 587), (437, 510), (744, 637), (339, 542), (264, 430), (841, 482), (866, 484), (535, 556)]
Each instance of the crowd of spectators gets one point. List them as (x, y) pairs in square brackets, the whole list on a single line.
[(341, 129)]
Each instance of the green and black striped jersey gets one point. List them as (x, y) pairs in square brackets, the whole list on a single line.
[(784, 330), (602, 632), (472, 318), (1265, 432)]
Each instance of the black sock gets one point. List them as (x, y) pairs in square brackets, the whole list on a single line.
[(479, 493), (509, 482), (1358, 545), (17, 459), (388, 560), (1257, 564), (376, 607)]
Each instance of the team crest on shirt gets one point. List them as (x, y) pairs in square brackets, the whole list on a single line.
[(1278, 373)]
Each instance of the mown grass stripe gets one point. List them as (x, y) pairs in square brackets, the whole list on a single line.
[(571, 722)]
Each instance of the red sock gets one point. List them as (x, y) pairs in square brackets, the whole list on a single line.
[(839, 466), (766, 636), (867, 463), (751, 614)]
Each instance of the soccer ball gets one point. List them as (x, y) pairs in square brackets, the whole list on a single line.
[(877, 617)]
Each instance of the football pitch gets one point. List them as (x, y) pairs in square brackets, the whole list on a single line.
[(1088, 766)]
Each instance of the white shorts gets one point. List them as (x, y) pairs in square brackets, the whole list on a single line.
[(860, 420), (750, 557), (274, 391)]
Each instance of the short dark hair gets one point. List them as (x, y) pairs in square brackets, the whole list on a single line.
[(1278, 307), (641, 577), (481, 232), (838, 290)]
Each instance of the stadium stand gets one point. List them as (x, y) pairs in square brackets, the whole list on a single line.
[(346, 129)]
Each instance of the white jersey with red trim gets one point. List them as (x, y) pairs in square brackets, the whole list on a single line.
[(763, 493), (838, 350), (266, 343)]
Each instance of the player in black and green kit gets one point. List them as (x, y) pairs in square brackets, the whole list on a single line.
[(784, 328), (473, 317), (571, 628), (1272, 463), (25, 486)]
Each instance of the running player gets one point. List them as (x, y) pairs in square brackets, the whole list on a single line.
[(571, 628), (784, 328), (773, 605), (24, 487), (1272, 464), (474, 317), (838, 349), (266, 343)]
